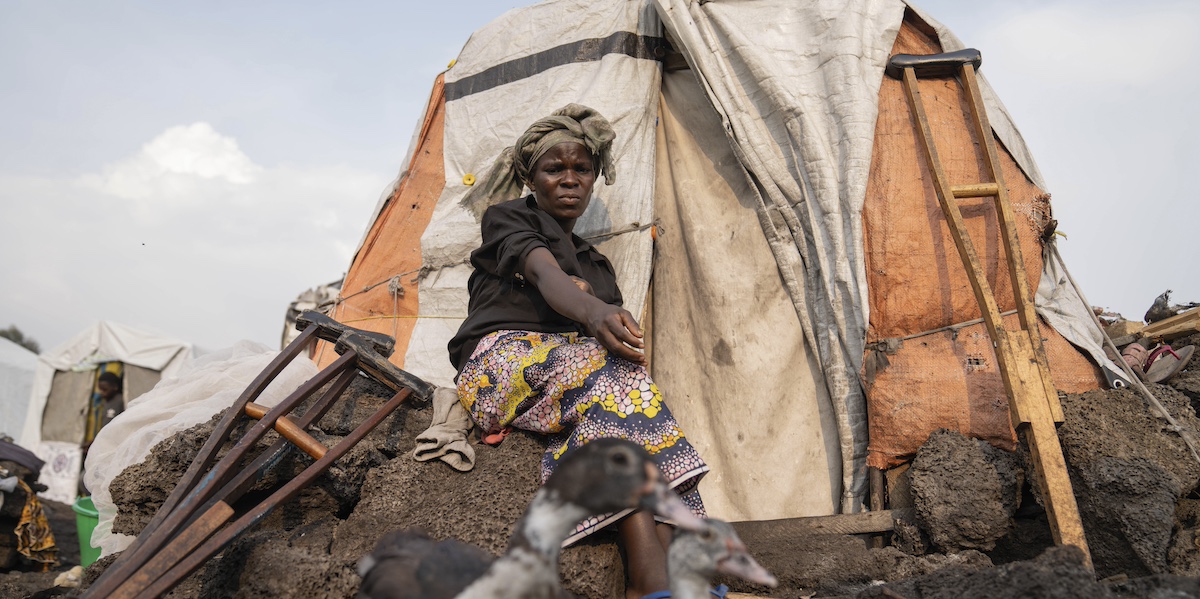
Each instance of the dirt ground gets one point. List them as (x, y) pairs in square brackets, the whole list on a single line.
[(979, 529)]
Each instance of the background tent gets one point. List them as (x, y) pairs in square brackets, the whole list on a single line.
[(764, 141), (62, 389), (17, 365)]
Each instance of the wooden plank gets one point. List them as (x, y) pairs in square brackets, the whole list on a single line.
[(1179, 325), (1012, 244), (179, 547), (1041, 435), (1123, 328), (789, 529), (877, 500)]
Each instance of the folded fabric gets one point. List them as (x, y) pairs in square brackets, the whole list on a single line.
[(35, 540), (15, 453), (446, 437)]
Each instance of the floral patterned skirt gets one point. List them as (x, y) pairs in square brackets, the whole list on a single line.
[(568, 387)]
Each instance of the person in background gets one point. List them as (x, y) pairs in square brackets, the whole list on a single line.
[(107, 402), (112, 402)]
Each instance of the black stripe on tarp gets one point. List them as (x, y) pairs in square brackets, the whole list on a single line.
[(621, 42)]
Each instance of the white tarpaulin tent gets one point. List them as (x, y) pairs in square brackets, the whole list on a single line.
[(17, 366), (62, 389), (753, 155)]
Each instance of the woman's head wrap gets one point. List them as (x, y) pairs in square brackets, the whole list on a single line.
[(512, 169)]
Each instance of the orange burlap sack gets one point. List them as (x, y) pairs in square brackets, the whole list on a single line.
[(917, 282)]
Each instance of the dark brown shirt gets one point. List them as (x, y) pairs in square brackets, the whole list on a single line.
[(501, 298)]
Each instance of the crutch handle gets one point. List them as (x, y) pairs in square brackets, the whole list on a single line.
[(331, 330), (933, 66), (377, 366)]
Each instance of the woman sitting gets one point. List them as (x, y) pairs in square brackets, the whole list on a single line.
[(546, 345)]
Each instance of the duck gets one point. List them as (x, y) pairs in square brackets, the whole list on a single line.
[(408, 564), (696, 556), (602, 476)]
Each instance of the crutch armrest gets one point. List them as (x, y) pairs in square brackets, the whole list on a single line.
[(378, 367), (331, 330), (933, 66)]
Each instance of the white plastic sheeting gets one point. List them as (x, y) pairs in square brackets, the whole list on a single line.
[(200, 389), (1062, 307), (102, 342), (17, 366), (797, 86)]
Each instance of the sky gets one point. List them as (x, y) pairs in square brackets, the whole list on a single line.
[(188, 168)]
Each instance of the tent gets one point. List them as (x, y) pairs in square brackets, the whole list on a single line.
[(62, 388), (16, 381), (771, 221)]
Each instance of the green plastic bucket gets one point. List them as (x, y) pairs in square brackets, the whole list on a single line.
[(86, 519)]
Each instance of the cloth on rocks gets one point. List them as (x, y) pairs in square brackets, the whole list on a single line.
[(446, 437), (15, 453), (568, 387), (573, 122), (35, 540)]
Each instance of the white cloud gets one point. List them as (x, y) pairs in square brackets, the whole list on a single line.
[(187, 235), (162, 169)]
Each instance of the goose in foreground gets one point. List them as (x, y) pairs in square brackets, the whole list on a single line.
[(605, 475), (695, 557)]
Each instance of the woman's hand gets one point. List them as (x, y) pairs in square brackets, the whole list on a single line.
[(614, 327)]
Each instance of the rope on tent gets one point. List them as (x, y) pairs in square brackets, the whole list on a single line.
[(396, 289), (404, 317), (631, 228), (390, 281), (1184, 434)]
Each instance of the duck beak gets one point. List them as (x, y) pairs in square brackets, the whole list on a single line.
[(667, 504), (739, 563)]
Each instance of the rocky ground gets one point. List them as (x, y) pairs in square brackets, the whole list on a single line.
[(978, 531)]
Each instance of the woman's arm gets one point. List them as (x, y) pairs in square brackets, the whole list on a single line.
[(613, 326)]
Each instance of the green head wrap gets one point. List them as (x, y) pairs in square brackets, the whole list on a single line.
[(574, 123)]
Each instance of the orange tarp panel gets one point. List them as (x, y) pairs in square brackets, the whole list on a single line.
[(917, 282), (380, 290)]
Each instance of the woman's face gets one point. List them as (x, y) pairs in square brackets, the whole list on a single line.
[(562, 182)]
